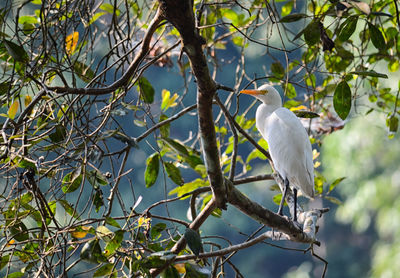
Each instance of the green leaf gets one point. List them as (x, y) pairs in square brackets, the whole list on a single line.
[(59, 134), (290, 90), (98, 201), (174, 173), (371, 73), (96, 178), (146, 90), (333, 200), (188, 187), (19, 231), (342, 100), (104, 270), (72, 181), (195, 271), (84, 71), (4, 261), (12, 111), (111, 221), (193, 240), (16, 51), (292, 18), (110, 9), (376, 37), (16, 275), (287, 8), (157, 229), (306, 114), (171, 272), (278, 70), (27, 19), (152, 169), (176, 146), (312, 33), (164, 130), (69, 209), (393, 123), (335, 183), (91, 252), (114, 243), (349, 26)]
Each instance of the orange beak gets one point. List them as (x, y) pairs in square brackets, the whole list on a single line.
[(254, 92)]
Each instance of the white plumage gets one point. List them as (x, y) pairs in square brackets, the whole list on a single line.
[(287, 140)]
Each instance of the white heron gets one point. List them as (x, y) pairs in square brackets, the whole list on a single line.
[(288, 143)]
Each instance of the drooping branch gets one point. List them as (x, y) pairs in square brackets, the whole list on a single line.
[(133, 67)]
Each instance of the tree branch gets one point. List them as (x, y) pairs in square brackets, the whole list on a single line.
[(128, 74), (180, 14)]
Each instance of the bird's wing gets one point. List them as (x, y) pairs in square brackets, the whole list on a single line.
[(290, 149)]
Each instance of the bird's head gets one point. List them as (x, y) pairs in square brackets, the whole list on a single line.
[(266, 93)]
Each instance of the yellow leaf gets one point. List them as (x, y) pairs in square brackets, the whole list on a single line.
[(11, 242), (28, 99), (300, 107), (80, 232), (71, 41), (12, 111), (180, 267), (143, 221)]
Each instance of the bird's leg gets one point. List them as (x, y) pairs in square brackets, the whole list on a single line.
[(283, 197), (295, 205)]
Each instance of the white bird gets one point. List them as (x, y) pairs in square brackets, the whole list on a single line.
[(288, 143)]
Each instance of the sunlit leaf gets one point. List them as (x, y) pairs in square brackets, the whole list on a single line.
[(114, 243), (111, 221), (174, 173), (12, 111), (72, 181), (335, 183), (71, 41), (180, 267), (333, 200), (146, 90), (188, 187), (393, 123), (80, 232), (27, 100), (287, 8), (110, 9), (152, 169), (342, 100)]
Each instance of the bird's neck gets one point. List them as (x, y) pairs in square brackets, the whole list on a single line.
[(265, 110)]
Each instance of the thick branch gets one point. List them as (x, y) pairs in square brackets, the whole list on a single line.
[(180, 14)]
